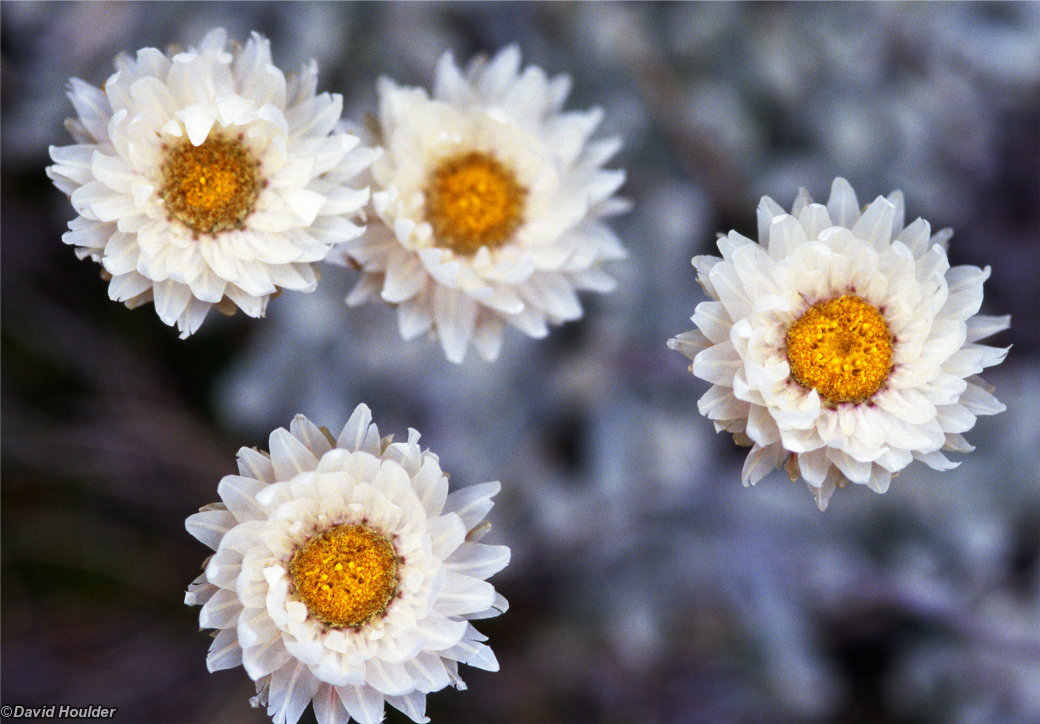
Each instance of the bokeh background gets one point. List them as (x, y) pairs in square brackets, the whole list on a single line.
[(646, 585)]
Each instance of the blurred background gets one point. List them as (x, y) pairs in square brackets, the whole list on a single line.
[(646, 585)]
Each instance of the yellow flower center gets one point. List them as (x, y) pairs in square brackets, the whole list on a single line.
[(211, 187), (472, 200), (841, 348), (345, 575)]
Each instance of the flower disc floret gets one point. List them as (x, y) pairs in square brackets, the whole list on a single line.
[(211, 187), (345, 575), (841, 348), (472, 200)]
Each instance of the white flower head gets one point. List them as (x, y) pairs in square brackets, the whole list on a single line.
[(206, 177), (488, 205), (345, 573), (841, 346)]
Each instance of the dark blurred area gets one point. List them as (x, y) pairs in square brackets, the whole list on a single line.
[(647, 585)]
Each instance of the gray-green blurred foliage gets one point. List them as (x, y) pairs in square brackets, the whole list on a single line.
[(647, 585)]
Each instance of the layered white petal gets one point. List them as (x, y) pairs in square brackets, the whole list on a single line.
[(561, 244), (817, 253), (311, 481), (308, 199)]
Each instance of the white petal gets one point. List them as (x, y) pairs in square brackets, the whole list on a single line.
[(256, 630), (814, 219), (478, 655), (209, 526), (292, 687), (473, 503), (259, 661), (364, 703), (254, 464), (879, 479), (823, 494), (221, 611), (718, 403), (842, 205), (224, 652), (412, 704), (367, 287), (289, 456), (488, 336), (553, 295), (785, 233), (898, 202), (95, 200), (689, 343), (981, 326), (253, 306), (916, 236), (464, 595), (767, 210), (730, 291), (955, 418), (127, 286), (814, 466), (875, 225), (980, 402), (431, 486), (478, 560), (92, 107), (447, 533), (762, 427), (936, 460), (171, 299), (530, 321), (413, 318), (359, 433), (854, 470), (405, 277), (717, 364), (760, 462), (305, 203), (327, 706), (310, 435), (454, 314), (239, 495)]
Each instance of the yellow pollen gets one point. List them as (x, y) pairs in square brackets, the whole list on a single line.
[(472, 200), (841, 348), (345, 575), (211, 187)]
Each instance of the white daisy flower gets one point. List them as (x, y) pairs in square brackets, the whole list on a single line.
[(345, 573), (207, 178), (842, 346), (491, 201)]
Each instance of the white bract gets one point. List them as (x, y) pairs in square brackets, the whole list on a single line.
[(488, 205), (841, 346), (345, 573), (206, 177)]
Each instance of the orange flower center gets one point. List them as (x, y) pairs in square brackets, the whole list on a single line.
[(841, 348), (472, 200), (345, 575), (211, 187)]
